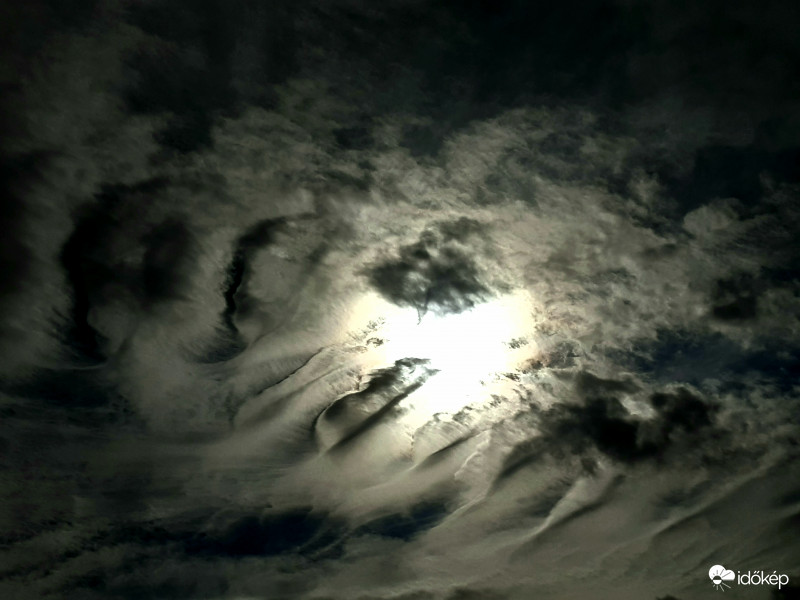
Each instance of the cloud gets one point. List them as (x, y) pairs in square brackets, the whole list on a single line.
[(436, 273), (211, 208), (599, 422), (354, 415)]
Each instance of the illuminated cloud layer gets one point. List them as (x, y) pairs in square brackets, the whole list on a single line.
[(406, 300)]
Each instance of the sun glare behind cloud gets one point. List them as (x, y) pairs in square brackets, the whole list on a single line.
[(467, 349)]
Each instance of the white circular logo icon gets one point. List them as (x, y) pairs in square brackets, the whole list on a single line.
[(719, 575)]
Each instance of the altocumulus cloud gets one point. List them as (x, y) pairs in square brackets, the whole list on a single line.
[(228, 224)]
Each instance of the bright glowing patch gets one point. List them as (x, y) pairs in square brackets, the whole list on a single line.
[(468, 349)]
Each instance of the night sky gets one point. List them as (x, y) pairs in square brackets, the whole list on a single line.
[(399, 300)]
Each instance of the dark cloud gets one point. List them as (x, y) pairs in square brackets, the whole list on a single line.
[(186, 73), (167, 249), (355, 414), (735, 299), (434, 273), (15, 258), (443, 453), (354, 138), (406, 525), (74, 388), (294, 531), (257, 237), (468, 594), (600, 422), (91, 261), (605, 424), (589, 385)]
